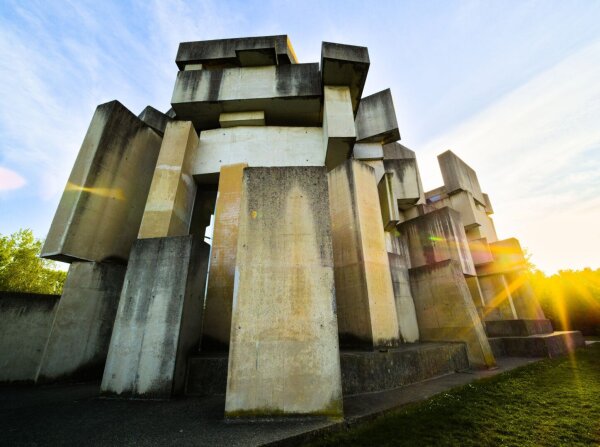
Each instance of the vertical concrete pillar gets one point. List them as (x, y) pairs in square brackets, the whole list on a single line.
[(284, 355), (81, 331), (339, 133), (476, 295), (526, 305), (159, 318), (168, 211), (364, 292), (498, 302), (219, 291)]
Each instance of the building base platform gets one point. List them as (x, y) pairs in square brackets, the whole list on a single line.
[(517, 328), (550, 345)]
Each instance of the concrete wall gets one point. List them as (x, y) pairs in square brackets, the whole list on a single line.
[(159, 319), (446, 312), (168, 210), (339, 133), (100, 211), (284, 356), (363, 282), (219, 292), (25, 323), (78, 342)]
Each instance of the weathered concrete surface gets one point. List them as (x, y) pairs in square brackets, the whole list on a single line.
[(219, 291), (480, 251), (207, 374), (159, 318), (155, 119), (526, 304), (339, 133), (459, 176), (437, 236), (345, 65), (550, 345), (284, 355), (221, 53), (290, 95), (497, 298), (364, 292), (78, 342), (396, 151), (242, 119), (170, 203), (515, 328), (25, 323), (406, 182), (258, 147), (388, 202), (445, 309), (476, 296), (376, 119), (366, 372), (100, 211), (367, 151)]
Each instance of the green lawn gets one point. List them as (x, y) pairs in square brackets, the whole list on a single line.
[(549, 403)]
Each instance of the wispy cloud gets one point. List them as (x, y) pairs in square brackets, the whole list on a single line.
[(9, 180)]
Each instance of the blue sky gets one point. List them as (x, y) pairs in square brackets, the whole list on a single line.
[(513, 87)]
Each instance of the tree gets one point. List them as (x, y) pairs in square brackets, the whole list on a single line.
[(21, 268)]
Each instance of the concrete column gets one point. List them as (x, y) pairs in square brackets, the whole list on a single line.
[(219, 291), (159, 318), (284, 355), (364, 292), (168, 211), (339, 133), (80, 334), (526, 305), (476, 295), (497, 297), (446, 312)]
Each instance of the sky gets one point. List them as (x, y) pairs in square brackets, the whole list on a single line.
[(512, 87)]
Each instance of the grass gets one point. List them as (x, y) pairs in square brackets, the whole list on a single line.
[(555, 402)]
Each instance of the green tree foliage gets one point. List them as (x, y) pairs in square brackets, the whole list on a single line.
[(21, 268)]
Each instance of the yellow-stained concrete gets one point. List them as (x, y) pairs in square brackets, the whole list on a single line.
[(497, 297), (365, 296), (170, 202), (388, 202), (219, 292)]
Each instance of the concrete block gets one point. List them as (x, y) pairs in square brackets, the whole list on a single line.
[(488, 204), (207, 374), (289, 95), (190, 67), (78, 342), (339, 133), (225, 52), (170, 203), (345, 65), (388, 202), (100, 211), (159, 319), (517, 328), (219, 292), (476, 296), (551, 345), (284, 355), (437, 236), (527, 306), (445, 309), (367, 151), (378, 168), (376, 119), (480, 251), (405, 306), (257, 57), (497, 297), (25, 323), (155, 119), (396, 151), (365, 296), (405, 181), (459, 176), (242, 119)]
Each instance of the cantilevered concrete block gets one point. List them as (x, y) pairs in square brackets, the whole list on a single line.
[(289, 95), (242, 119), (497, 297), (80, 335), (155, 119), (214, 54), (363, 283), (459, 176), (170, 203), (376, 119), (388, 202), (445, 310), (345, 65), (367, 151), (99, 214), (405, 181), (339, 133), (435, 237), (396, 151), (221, 276), (159, 318), (284, 356)]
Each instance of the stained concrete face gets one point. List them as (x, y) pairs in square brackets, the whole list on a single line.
[(159, 319), (155, 119), (284, 357), (170, 203), (405, 306), (497, 297), (365, 296), (339, 133), (78, 342), (405, 181), (219, 291), (100, 211), (445, 309), (388, 203), (526, 305), (376, 119), (396, 151), (242, 119), (367, 151), (458, 176)]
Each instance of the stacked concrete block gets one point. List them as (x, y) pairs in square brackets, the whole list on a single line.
[(339, 133)]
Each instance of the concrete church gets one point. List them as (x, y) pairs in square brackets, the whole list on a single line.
[(330, 270)]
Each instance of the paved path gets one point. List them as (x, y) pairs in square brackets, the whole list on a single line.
[(73, 415)]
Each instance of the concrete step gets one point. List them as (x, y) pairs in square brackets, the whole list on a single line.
[(517, 328), (539, 345)]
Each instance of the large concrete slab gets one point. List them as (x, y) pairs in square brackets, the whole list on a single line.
[(221, 275), (445, 309), (25, 323), (100, 211), (376, 119), (78, 342), (159, 318), (551, 345), (284, 355), (459, 176), (364, 292)]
